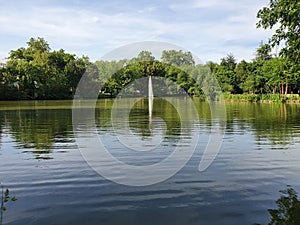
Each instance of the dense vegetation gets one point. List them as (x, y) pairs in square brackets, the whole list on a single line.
[(36, 72)]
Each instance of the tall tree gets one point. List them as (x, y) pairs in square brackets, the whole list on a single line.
[(241, 73), (285, 15), (36, 72), (226, 75), (263, 52), (38, 44), (177, 58), (145, 56)]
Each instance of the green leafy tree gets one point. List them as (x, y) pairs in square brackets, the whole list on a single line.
[(258, 77), (285, 16), (229, 62), (263, 52), (177, 58), (36, 72), (241, 73), (145, 56), (225, 73), (273, 71)]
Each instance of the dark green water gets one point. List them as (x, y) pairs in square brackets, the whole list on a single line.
[(41, 164)]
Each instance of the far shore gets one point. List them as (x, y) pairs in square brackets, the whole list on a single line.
[(230, 98), (263, 101)]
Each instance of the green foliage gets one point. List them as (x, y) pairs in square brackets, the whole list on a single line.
[(288, 211), (225, 73), (145, 65), (263, 52), (145, 56), (37, 73), (177, 58), (263, 77), (259, 97), (286, 15)]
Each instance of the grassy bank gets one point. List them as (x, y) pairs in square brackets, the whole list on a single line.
[(268, 98)]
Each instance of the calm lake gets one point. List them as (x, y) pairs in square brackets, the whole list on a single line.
[(43, 167)]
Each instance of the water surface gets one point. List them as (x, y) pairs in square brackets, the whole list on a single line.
[(41, 164)]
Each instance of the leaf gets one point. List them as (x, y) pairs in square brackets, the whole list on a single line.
[(14, 198), (6, 194)]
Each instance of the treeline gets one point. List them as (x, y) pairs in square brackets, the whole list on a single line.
[(36, 72), (264, 75), (175, 66)]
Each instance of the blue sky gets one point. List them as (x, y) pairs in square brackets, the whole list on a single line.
[(209, 28)]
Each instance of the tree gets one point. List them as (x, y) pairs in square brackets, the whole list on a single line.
[(212, 66), (285, 14), (229, 62), (263, 52), (145, 65), (274, 74), (241, 73), (36, 72), (225, 73), (38, 44), (177, 58), (145, 56)]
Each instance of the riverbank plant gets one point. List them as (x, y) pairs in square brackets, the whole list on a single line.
[(261, 97), (5, 198)]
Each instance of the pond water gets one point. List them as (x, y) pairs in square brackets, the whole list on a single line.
[(42, 166)]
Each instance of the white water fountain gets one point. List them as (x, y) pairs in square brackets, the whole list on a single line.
[(150, 98)]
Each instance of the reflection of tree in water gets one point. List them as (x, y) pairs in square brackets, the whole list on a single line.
[(36, 130), (1, 125), (139, 117), (270, 123), (288, 211)]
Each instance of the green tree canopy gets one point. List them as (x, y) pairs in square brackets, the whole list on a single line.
[(286, 15), (36, 72), (177, 58), (263, 52)]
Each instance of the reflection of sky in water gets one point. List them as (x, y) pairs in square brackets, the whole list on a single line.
[(259, 156)]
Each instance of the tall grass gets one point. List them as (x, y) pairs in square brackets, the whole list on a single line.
[(260, 97)]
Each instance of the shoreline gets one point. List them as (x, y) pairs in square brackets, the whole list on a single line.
[(262, 98), (263, 101), (226, 100)]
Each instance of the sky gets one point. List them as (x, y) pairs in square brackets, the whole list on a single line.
[(210, 29)]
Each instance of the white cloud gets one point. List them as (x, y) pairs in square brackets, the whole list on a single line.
[(209, 28)]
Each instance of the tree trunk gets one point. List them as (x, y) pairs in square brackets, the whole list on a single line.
[(286, 88)]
